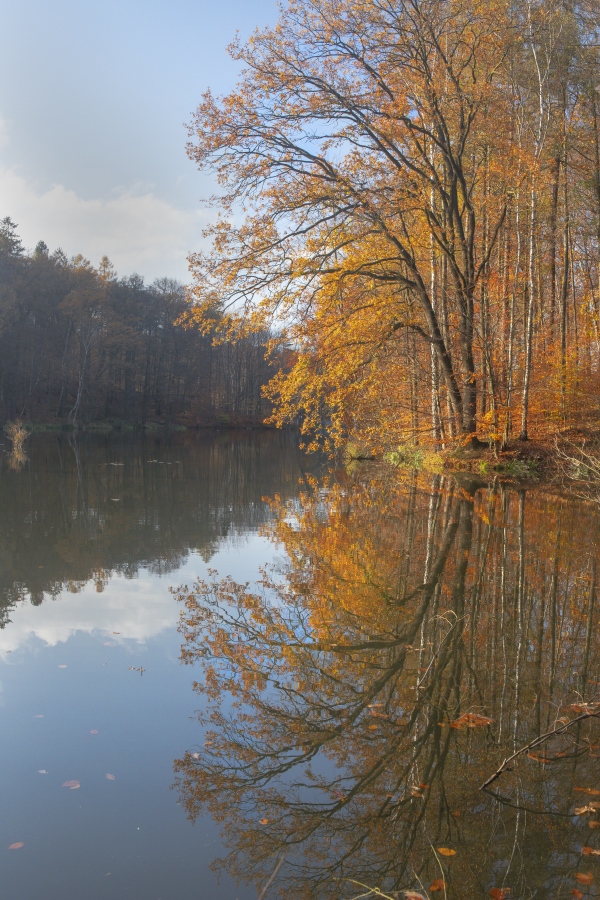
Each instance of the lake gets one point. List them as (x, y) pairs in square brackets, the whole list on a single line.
[(228, 671)]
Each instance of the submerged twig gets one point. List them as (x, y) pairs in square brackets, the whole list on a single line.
[(536, 742)]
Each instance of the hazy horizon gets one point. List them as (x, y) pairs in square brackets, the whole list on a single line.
[(93, 104)]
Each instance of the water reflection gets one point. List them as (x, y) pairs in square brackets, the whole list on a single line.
[(421, 632), (82, 509)]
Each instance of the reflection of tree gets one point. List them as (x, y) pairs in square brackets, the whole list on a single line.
[(87, 507), (332, 690)]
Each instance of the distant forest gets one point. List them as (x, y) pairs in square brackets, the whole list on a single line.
[(80, 345)]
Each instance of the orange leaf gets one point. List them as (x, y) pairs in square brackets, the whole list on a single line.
[(588, 851), (500, 893), (438, 885), (584, 877), (16, 846), (588, 791), (471, 720), (72, 785), (446, 851), (413, 895), (263, 821), (577, 893)]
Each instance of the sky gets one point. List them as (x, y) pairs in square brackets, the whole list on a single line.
[(94, 98)]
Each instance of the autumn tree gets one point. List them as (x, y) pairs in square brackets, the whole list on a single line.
[(416, 180)]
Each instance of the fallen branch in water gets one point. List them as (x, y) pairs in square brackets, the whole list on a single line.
[(536, 742), (273, 874)]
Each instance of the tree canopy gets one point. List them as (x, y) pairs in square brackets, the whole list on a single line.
[(419, 183)]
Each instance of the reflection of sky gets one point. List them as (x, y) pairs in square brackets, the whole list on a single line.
[(138, 608), (73, 706)]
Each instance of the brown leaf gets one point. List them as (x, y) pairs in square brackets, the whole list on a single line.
[(111, 777), (500, 893), (471, 720), (16, 846), (62, 667), (589, 851), (438, 885), (263, 821), (72, 785), (593, 791), (577, 893), (594, 824), (413, 895), (583, 810), (94, 731), (584, 877), (446, 851)]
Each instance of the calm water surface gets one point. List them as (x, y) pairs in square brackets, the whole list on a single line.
[(339, 712)]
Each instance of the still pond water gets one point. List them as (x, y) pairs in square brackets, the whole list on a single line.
[(226, 673)]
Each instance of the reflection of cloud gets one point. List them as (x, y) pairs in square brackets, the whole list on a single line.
[(138, 609), (135, 228)]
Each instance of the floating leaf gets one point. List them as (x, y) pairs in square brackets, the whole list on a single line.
[(195, 755), (413, 895), (111, 777), (584, 877), (72, 785), (500, 893), (594, 824), (471, 720), (589, 851), (446, 851), (62, 666), (40, 716), (263, 821), (583, 810), (438, 885), (94, 731), (42, 772), (577, 893), (16, 846), (593, 791)]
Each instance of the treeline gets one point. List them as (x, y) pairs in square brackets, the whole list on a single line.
[(423, 187), (80, 345)]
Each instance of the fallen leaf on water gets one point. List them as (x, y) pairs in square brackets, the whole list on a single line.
[(195, 755), (16, 846), (111, 777), (94, 731), (438, 885), (583, 810), (593, 791), (263, 821), (457, 813), (116, 632), (413, 895), (62, 667), (594, 824), (72, 785), (446, 851), (109, 643), (577, 893), (589, 851), (584, 877), (471, 720), (42, 772), (38, 717), (372, 727), (423, 786), (500, 893)]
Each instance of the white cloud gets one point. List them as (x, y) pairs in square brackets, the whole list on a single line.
[(135, 228), (138, 609)]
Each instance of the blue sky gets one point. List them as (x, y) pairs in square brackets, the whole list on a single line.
[(93, 100)]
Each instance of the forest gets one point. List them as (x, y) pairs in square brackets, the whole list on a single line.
[(79, 345), (421, 188)]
